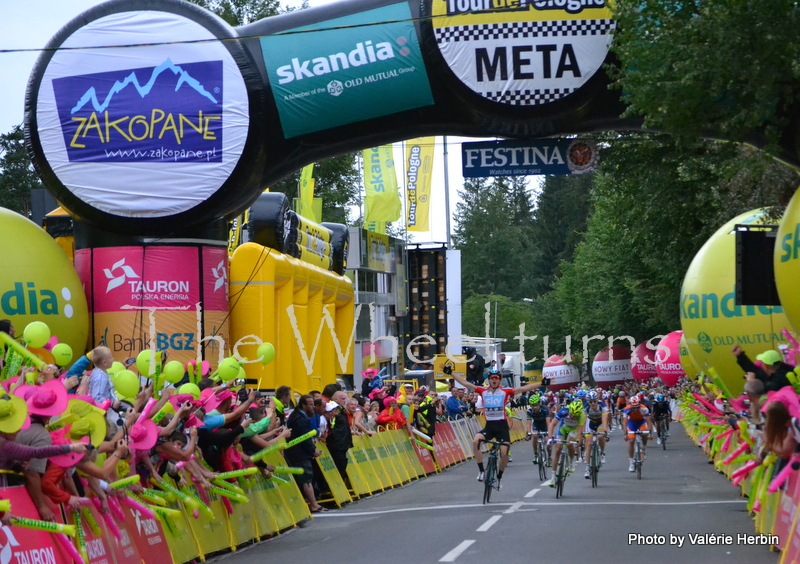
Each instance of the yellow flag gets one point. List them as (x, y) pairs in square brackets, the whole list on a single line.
[(381, 200), (376, 227), (305, 193), (419, 169)]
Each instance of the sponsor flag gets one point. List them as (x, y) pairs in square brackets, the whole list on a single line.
[(381, 200), (376, 226), (305, 193), (419, 169)]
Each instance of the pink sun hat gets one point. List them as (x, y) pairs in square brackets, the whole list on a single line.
[(143, 434), (213, 400), (71, 458), (48, 400)]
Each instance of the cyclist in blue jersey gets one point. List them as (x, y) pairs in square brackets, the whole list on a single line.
[(495, 399)]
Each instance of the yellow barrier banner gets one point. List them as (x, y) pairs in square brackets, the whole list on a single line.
[(178, 533), (241, 525), (359, 470), (383, 457), (389, 440), (332, 476), (371, 448), (288, 490), (210, 534), (255, 488)]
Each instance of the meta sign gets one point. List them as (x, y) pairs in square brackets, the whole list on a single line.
[(523, 158)]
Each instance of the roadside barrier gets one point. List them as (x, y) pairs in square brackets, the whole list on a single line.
[(773, 496), (172, 524)]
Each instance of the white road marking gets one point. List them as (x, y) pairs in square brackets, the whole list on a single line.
[(514, 507), (488, 524), (532, 492), (456, 552), (546, 483)]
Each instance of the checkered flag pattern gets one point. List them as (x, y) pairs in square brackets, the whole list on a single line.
[(529, 97), (518, 30)]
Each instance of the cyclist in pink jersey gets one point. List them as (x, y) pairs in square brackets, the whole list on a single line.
[(495, 399)]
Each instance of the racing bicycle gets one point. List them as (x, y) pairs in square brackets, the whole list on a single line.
[(490, 480)]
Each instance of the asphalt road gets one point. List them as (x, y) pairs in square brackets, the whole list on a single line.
[(441, 518)]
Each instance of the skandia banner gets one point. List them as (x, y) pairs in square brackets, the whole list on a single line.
[(146, 131), (419, 169), (381, 201), (523, 158), (344, 71), (523, 53)]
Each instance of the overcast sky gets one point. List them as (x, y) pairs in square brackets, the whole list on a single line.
[(29, 24)]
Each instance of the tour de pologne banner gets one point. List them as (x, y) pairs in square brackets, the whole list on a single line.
[(419, 169), (522, 158)]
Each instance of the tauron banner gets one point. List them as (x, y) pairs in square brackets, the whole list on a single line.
[(523, 158), (419, 169), (349, 72), (523, 53), (381, 201)]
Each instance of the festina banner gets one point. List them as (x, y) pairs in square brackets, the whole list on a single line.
[(381, 201), (419, 168), (522, 158)]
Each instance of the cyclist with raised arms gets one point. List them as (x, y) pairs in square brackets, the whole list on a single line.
[(495, 399), (567, 424), (661, 415), (635, 417), (538, 419), (596, 422)]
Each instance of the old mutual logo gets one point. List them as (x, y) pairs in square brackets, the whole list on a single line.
[(168, 113)]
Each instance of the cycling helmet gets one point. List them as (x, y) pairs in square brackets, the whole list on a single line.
[(660, 397), (582, 393), (622, 393), (592, 396), (575, 408), (635, 401), (535, 399), (493, 372)]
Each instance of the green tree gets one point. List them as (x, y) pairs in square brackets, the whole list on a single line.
[(723, 67), (17, 177), (655, 204), (243, 12), (559, 224), (494, 222), (509, 315)]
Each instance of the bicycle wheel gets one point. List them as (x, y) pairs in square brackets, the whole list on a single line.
[(488, 479), (543, 463), (663, 437), (594, 460), (638, 459), (561, 474)]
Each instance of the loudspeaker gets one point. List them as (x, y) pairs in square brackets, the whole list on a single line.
[(755, 272)]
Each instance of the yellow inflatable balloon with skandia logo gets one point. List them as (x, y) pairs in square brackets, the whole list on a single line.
[(39, 283), (687, 360), (712, 322), (787, 261)]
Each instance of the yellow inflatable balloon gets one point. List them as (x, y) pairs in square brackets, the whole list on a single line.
[(267, 352), (116, 367), (190, 388), (687, 360), (143, 363), (228, 369), (173, 371), (126, 384), (62, 354), (36, 334), (787, 261), (39, 282), (712, 322)]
